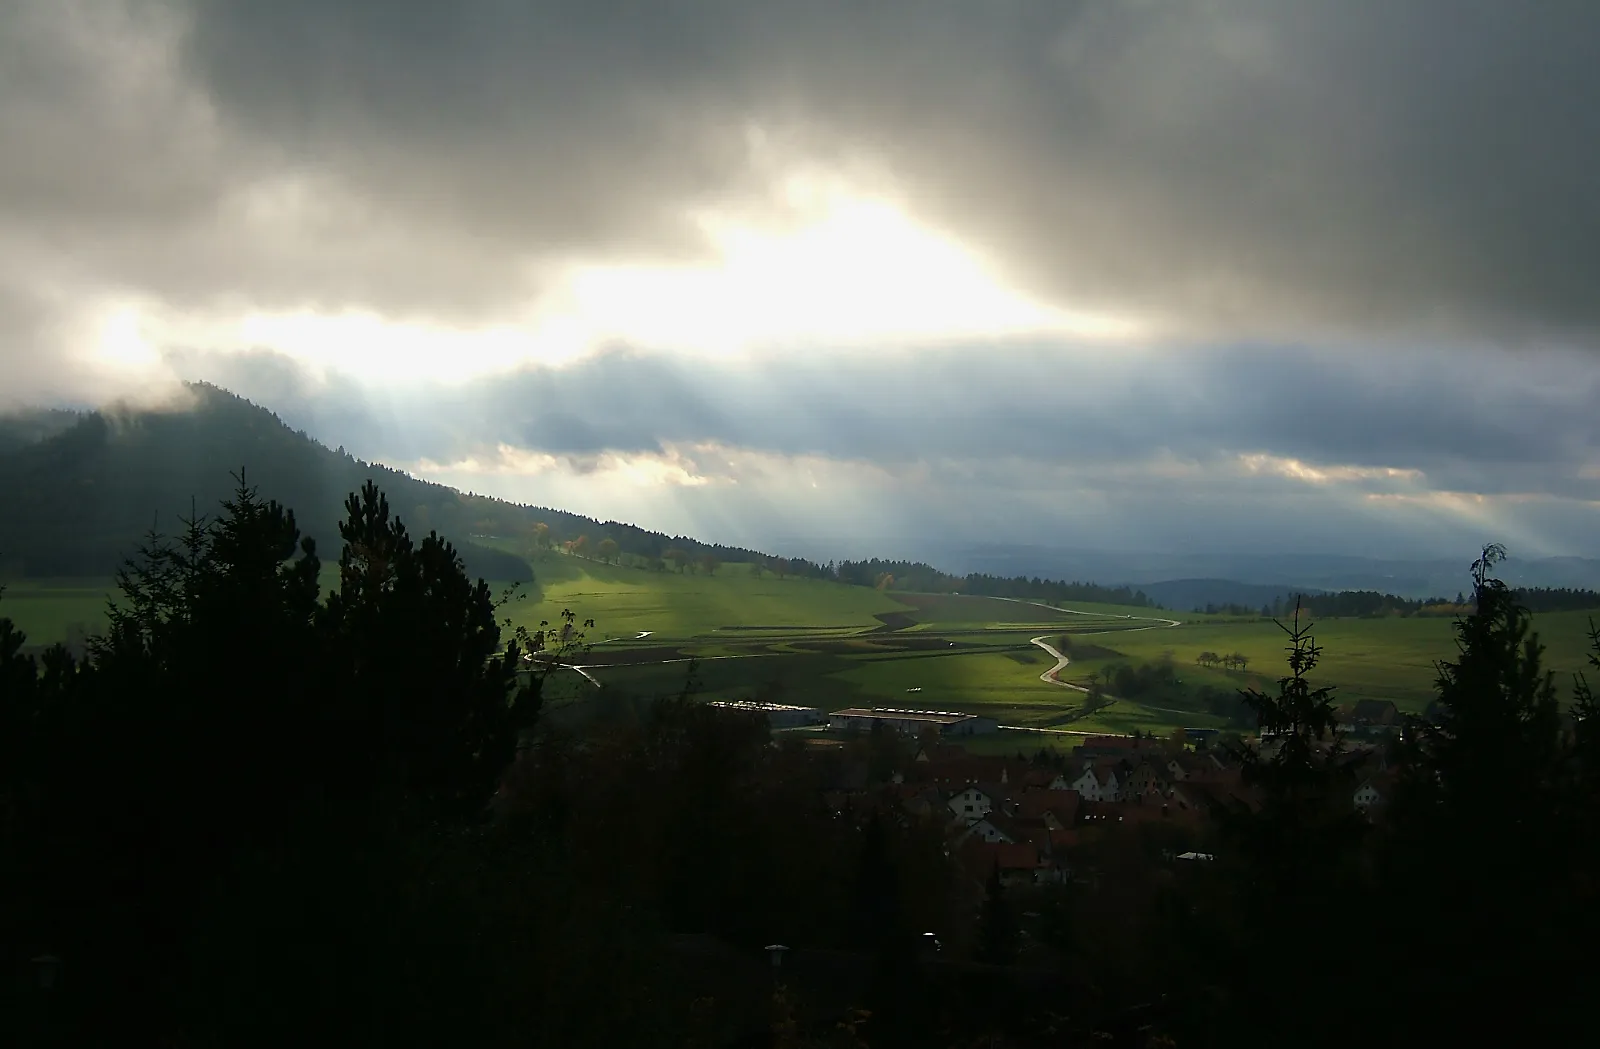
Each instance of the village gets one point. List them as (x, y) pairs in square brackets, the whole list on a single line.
[(1042, 819)]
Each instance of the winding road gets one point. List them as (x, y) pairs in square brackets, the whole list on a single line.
[(1049, 676)]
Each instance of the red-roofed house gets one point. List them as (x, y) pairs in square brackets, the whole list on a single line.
[(1056, 808), (1019, 863)]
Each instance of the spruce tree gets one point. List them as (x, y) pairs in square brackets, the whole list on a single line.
[(1481, 841), (1290, 853), (1301, 779), (998, 935)]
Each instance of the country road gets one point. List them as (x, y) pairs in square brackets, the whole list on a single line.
[(1080, 612), (1049, 676)]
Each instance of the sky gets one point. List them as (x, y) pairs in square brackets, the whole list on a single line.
[(1218, 275)]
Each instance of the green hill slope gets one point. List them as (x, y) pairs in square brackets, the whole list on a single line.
[(80, 493)]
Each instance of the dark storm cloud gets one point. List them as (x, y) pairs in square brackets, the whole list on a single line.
[(1280, 184), (1233, 166)]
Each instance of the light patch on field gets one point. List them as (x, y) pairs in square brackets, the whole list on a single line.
[(677, 606)]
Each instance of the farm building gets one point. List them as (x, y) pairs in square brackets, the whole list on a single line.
[(779, 715), (913, 722)]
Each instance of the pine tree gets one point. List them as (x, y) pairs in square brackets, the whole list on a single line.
[(998, 935), (1483, 825), (876, 920), (1498, 713), (426, 688), (1291, 854), (1306, 822)]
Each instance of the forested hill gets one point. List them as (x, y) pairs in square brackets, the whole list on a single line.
[(20, 429), (78, 494)]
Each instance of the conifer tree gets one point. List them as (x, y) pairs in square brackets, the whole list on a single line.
[(1299, 774), (998, 935), (1481, 827), (422, 672), (1290, 850), (1497, 708)]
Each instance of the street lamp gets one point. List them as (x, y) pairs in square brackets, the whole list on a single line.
[(775, 951)]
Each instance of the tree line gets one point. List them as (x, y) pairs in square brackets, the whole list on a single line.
[(917, 576), (1371, 604)]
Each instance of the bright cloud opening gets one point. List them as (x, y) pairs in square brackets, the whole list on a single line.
[(607, 468), (833, 270), (855, 271), (1294, 469)]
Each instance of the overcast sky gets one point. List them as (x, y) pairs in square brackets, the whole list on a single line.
[(1217, 274)]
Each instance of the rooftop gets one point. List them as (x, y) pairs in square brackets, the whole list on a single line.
[(750, 704), (943, 717)]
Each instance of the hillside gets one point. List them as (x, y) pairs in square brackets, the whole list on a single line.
[(81, 492)]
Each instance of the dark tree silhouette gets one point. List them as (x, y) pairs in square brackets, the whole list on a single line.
[(998, 935), (1494, 757)]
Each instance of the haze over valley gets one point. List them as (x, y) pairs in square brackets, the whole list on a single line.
[(922, 523)]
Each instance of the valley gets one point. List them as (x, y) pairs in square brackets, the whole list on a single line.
[(742, 634)]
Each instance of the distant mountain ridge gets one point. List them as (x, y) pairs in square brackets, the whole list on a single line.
[(1186, 594), (1191, 575)]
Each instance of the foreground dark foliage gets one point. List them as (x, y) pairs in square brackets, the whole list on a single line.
[(257, 814)]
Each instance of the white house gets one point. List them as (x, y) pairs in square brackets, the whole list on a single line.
[(1093, 788), (989, 833), (971, 805), (1368, 795)]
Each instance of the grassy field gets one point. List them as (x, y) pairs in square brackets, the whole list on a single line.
[(50, 610), (624, 601), (1366, 658), (827, 645)]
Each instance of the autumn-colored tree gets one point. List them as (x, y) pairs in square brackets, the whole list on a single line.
[(710, 564), (607, 549)]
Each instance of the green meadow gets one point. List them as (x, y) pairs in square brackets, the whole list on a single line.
[(49, 610), (1390, 658), (815, 643), (673, 606)]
